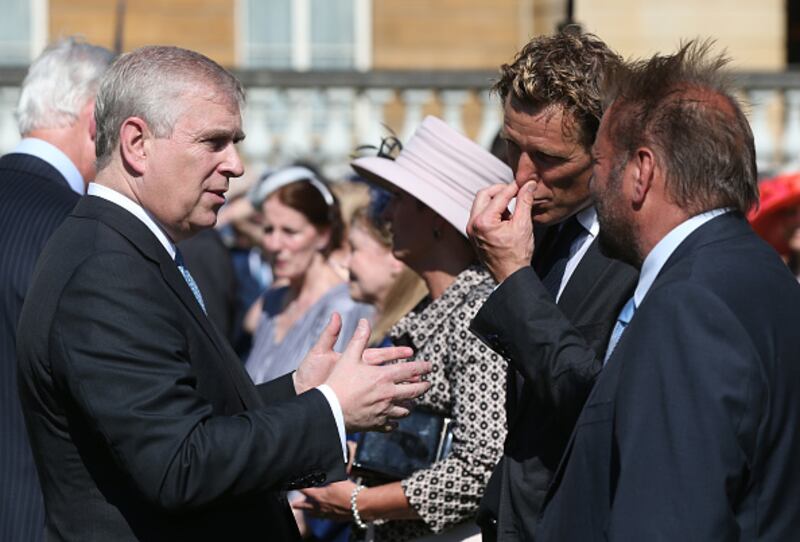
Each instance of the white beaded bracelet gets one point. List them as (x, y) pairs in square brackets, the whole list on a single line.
[(354, 507)]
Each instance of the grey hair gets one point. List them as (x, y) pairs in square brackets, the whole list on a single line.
[(150, 83), (59, 83), (683, 106)]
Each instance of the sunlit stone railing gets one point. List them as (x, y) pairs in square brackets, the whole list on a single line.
[(323, 116)]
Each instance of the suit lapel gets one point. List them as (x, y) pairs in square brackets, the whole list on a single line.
[(177, 283), (143, 239), (605, 390), (576, 292), (543, 236)]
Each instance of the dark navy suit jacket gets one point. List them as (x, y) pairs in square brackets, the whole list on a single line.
[(692, 431), (34, 199), (143, 422), (556, 352)]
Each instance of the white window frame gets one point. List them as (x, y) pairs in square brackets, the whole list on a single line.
[(301, 34), (37, 31)]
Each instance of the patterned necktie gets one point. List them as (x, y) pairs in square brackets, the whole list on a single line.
[(623, 320), (551, 266), (188, 278)]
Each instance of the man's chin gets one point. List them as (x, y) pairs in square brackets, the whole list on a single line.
[(543, 217)]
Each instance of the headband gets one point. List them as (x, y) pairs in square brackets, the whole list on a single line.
[(271, 182)]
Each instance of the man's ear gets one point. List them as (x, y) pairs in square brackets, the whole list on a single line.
[(87, 119), (92, 128), (644, 162), (133, 137)]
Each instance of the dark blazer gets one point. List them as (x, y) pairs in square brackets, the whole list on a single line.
[(692, 431), (143, 422), (556, 350), (210, 263), (34, 199)]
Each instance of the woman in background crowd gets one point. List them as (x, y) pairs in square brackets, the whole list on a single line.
[(381, 280), (302, 227), (377, 277), (433, 181)]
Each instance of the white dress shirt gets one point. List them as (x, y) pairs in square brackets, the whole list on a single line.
[(148, 220), (591, 227), (56, 158)]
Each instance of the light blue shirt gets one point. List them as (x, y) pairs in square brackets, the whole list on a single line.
[(139, 212), (654, 261), (56, 158), (652, 266)]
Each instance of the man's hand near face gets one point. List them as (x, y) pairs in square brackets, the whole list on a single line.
[(503, 240)]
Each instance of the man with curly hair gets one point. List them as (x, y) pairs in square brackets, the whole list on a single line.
[(557, 300)]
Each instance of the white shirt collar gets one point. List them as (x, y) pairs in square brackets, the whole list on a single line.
[(109, 194), (588, 219), (55, 157), (654, 261)]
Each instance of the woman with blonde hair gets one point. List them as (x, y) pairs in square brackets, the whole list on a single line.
[(377, 277)]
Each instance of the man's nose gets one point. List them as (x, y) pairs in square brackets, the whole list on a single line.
[(525, 170), (233, 166)]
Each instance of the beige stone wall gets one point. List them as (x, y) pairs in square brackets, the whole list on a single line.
[(753, 31), (206, 26), (455, 34), (446, 34)]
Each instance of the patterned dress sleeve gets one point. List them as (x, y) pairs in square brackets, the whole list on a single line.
[(449, 492)]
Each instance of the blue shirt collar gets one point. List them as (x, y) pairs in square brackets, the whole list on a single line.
[(56, 158), (663, 250)]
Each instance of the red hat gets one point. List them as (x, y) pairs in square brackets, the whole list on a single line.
[(769, 220)]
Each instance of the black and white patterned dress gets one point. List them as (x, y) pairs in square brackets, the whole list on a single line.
[(468, 384)]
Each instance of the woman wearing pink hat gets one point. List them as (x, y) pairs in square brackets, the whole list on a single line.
[(434, 180)]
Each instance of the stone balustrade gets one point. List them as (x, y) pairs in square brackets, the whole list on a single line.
[(323, 116)]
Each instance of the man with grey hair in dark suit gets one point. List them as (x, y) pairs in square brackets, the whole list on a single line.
[(144, 423), (41, 179)]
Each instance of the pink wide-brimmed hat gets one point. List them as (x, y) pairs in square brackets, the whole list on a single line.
[(440, 167)]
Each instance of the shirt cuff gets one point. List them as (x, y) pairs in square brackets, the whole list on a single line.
[(338, 415)]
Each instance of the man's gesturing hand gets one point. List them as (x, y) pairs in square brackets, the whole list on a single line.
[(316, 367), (503, 242), (371, 394)]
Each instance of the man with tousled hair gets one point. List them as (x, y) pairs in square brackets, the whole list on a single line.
[(143, 422), (692, 431), (41, 179), (551, 320)]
